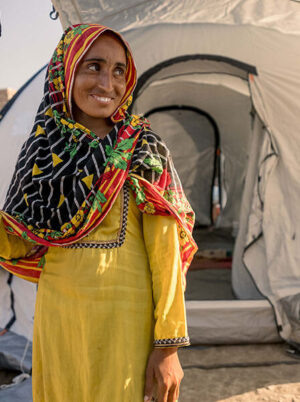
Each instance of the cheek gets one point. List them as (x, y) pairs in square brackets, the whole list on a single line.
[(122, 89), (81, 87), (76, 91)]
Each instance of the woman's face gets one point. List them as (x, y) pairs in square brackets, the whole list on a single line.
[(99, 83)]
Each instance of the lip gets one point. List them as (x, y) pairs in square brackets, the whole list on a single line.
[(103, 100)]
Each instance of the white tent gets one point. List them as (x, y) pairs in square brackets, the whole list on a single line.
[(237, 62), (220, 82)]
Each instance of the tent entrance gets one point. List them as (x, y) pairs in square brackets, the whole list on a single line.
[(201, 108), (188, 123)]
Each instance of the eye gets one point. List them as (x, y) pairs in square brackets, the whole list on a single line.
[(93, 67), (119, 71)]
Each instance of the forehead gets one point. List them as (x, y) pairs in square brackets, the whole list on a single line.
[(107, 45)]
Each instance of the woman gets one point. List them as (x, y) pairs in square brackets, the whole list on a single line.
[(96, 213)]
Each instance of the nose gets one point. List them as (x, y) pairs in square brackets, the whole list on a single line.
[(105, 80)]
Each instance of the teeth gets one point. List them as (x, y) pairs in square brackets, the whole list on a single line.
[(102, 98)]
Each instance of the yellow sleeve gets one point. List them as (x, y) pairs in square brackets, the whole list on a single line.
[(162, 245), (12, 246)]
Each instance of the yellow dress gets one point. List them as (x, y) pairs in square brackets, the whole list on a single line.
[(102, 303)]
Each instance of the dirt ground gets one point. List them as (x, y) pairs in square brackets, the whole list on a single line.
[(242, 373)]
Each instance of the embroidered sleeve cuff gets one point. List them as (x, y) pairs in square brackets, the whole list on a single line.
[(171, 342)]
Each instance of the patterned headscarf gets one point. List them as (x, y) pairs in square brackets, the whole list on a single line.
[(75, 43), (66, 178)]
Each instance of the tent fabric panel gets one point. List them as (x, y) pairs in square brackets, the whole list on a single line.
[(192, 64), (289, 308), (23, 290), (5, 301), (15, 352), (251, 45), (231, 322), (269, 245), (16, 126), (278, 192), (9, 104), (274, 14), (24, 312), (21, 392), (231, 82), (242, 282)]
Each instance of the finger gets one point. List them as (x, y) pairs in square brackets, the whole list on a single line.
[(162, 392), (149, 384), (172, 393), (177, 392)]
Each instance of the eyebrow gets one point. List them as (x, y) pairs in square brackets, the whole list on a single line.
[(119, 64)]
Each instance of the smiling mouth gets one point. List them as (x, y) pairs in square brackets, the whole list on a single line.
[(102, 99)]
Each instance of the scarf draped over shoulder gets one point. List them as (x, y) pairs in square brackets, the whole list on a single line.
[(66, 179)]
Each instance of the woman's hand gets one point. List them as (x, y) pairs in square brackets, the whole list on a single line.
[(165, 370)]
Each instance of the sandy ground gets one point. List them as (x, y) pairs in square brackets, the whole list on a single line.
[(239, 374), (244, 373)]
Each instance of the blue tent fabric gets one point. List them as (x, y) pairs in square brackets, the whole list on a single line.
[(15, 352), (21, 392)]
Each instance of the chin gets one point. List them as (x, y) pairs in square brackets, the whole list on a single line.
[(100, 114), (82, 115)]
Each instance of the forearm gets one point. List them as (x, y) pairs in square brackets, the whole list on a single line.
[(162, 245)]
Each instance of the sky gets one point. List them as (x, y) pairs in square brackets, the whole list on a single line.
[(28, 39)]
